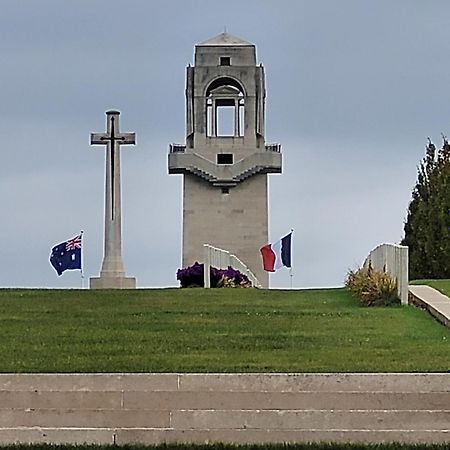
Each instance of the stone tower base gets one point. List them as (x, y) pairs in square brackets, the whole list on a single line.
[(112, 283), (236, 221)]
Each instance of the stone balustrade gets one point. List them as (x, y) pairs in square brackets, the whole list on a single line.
[(222, 259), (177, 148), (273, 148)]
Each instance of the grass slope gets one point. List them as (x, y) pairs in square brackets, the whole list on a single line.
[(217, 330)]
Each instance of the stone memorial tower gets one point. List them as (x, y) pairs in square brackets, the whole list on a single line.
[(226, 160)]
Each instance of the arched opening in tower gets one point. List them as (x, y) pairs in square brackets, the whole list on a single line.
[(225, 108)]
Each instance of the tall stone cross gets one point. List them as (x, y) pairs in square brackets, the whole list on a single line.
[(112, 274)]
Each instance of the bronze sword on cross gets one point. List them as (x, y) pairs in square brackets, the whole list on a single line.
[(112, 138)]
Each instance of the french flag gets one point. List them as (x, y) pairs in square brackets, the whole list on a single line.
[(277, 255)]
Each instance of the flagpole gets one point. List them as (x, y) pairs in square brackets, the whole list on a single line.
[(81, 270), (291, 272)]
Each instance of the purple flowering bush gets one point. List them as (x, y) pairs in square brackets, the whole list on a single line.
[(192, 276)]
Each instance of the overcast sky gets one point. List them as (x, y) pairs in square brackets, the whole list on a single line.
[(354, 88)]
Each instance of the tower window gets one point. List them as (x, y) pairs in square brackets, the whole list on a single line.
[(225, 158), (225, 61)]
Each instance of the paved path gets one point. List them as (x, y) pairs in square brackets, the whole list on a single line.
[(436, 303)]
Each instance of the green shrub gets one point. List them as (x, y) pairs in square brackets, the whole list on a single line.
[(372, 287)]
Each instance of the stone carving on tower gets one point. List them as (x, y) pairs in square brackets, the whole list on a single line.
[(225, 161)]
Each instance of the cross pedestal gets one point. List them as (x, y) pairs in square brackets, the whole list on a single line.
[(112, 274)]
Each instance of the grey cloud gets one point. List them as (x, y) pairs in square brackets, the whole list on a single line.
[(354, 89)]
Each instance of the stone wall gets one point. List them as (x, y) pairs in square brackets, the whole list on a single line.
[(393, 259), (240, 408), (236, 221)]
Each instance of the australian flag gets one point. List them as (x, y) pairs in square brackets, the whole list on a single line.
[(67, 255)]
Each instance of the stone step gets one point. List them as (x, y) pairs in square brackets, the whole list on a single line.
[(336, 382), (171, 400), (272, 435), (388, 382), (89, 382), (228, 419), (158, 436), (83, 418), (58, 435), (153, 408), (287, 400), (61, 399), (311, 420)]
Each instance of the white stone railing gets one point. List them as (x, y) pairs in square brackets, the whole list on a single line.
[(273, 148), (222, 259), (392, 259), (177, 148)]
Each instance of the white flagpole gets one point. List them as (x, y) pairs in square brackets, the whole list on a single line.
[(82, 261), (291, 272)]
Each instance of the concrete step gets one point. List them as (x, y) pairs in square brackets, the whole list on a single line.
[(61, 399), (339, 382), (158, 436), (84, 418), (287, 400), (273, 435), (152, 408), (58, 435), (164, 400), (311, 419), (228, 419), (89, 382), (334, 382)]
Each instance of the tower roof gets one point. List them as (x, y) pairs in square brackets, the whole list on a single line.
[(225, 39)]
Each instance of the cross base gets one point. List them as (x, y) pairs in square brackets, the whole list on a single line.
[(105, 282)]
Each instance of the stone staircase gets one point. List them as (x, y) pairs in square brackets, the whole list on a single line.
[(241, 408)]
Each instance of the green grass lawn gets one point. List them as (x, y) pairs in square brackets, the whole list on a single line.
[(216, 330)]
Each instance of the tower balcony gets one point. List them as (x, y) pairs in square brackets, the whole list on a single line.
[(273, 148), (177, 148), (269, 161)]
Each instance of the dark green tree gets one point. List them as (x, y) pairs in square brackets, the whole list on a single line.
[(427, 232)]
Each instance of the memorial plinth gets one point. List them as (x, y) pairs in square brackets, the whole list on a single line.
[(112, 282), (112, 274)]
